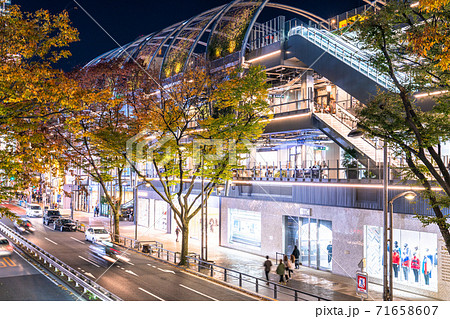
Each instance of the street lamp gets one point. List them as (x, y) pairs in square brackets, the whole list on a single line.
[(388, 237)]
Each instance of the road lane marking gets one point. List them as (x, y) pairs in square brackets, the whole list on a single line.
[(51, 241), (77, 240), (89, 274), (200, 293), (165, 270), (131, 273), (151, 294), (89, 261)]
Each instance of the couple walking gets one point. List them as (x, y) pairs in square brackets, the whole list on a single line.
[(284, 268)]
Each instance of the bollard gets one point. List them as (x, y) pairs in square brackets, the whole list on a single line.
[(225, 275), (257, 285)]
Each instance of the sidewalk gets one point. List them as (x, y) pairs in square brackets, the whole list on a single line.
[(323, 283)]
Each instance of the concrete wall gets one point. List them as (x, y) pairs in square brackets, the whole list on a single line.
[(348, 234)]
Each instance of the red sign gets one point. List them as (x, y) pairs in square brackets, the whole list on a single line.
[(361, 282)]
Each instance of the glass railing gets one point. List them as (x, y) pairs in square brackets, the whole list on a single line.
[(343, 51)]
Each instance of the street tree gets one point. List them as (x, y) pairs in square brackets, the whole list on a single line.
[(410, 46), (32, 92), (93, 131), (193, 130)]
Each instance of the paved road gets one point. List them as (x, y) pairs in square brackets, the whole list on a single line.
[(19, 280), (141, 278)]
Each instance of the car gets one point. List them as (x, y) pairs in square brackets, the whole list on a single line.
[(62, 224), (5, 247), (50, 216), (34, 210), (23, 226), (107, 253), (95, 234)]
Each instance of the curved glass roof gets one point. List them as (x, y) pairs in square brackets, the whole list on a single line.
[(213, 34)]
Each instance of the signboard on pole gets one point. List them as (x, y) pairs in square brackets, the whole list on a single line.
[(362, 283)]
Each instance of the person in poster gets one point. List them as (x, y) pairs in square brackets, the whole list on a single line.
[(406, 258), (415, 266), (427, 265), (396, 259)]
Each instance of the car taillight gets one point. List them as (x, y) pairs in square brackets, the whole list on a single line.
[(9, 247), (28, 225)]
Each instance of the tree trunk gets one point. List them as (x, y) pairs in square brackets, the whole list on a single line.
[(184, 245), (116, 223)]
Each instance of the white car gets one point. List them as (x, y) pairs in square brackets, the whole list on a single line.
[(5, 247), (97, 234), (34, 210)]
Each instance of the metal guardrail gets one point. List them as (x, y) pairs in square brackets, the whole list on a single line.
[(228, 275), (251, 282), (87, 284)]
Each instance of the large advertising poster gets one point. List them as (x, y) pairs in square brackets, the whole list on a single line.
[(142, 210), (414, 256), (161, 215), (244, 227)]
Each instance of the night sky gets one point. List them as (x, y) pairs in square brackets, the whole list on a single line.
[(127, 19)]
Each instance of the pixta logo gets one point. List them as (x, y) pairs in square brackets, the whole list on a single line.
[(143, 148)]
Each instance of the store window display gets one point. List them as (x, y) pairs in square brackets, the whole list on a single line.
[(414, 256)]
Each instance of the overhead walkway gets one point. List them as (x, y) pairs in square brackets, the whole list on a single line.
[(347, 67)]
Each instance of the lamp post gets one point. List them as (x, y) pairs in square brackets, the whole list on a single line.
[(388, 237)]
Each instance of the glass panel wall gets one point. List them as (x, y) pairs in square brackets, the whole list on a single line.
[(414, 256), (313, 238), (325, 244)]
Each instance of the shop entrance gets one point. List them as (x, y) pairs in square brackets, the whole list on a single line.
[(313, 237)]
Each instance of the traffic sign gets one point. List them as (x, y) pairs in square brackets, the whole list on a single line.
[(362, 283)]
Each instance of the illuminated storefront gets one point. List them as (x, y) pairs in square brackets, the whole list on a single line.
[(313, 237), (414, 256), (244, 227)]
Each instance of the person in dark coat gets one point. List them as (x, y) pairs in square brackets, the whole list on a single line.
[(281, 269), (296, 254), (267, 267)]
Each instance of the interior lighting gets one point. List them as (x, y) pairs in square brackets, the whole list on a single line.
[(264, 56), (328, 88), (288, 117), (430, 93)]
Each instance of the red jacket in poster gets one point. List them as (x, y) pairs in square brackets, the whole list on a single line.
[(395, 258), (415, 263)]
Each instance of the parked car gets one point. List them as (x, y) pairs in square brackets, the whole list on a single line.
[(23, 226), (107, 252), (34, 210), (5, 247), (95, 234), (62, 224), (50, 216)]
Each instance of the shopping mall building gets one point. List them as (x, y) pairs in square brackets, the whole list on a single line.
[(296, 188)]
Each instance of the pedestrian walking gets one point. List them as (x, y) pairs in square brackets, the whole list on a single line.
[(280, 271), (267, 267), (288, 265), (96, 211), (296, 254), (177, 232)]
